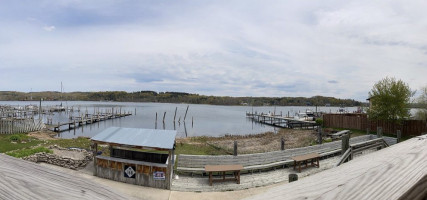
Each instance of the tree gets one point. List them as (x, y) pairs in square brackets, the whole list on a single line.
[(389, 99), (422, 105)]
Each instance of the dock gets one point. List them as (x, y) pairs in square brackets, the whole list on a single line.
[(281, 121), (84, 120)]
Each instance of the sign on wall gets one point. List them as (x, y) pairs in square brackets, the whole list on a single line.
[(159, 176), (129, 171)]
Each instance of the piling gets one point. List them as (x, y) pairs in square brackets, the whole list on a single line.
[(282, 144), (235, 148)]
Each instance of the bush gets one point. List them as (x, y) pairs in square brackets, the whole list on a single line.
[(28, 152), (319, 122)]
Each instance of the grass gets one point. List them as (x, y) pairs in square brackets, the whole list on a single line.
[(27, 152), (16, 141), (83, 143)]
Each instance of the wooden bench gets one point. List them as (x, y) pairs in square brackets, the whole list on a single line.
[(262, 161), (313, 157), (223, 169)]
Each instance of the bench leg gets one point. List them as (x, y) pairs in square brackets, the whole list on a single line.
[(238, 177), (210, 178), (318, 166)]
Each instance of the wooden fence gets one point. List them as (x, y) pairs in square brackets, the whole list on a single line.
[(361, 122), (11, 126)]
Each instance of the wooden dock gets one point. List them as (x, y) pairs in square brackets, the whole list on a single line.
[(85, 120), (281, 121), (396, 172)]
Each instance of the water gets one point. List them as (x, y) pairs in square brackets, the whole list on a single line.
[(202, 120)]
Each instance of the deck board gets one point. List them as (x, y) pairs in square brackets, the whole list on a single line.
[(21, 179), (386, 174)]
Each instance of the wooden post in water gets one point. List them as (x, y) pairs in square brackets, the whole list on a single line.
[(399, 136), (282, 144), (135, 111), (235, 148), (379, 131), (185, 116), (156, 121), (164, 115), (174, 116), (192, 122)]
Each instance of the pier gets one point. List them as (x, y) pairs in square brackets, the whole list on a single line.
[(85, 120), (281, 121)]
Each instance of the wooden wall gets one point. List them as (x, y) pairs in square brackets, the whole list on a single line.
[(144, 173), (361, 122)]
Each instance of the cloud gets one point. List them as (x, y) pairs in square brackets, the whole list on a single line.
[(238, 48), (49, 28)]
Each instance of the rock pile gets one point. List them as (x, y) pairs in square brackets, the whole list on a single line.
[(62, 161)]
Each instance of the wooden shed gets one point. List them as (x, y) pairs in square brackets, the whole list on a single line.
[(136, 156)]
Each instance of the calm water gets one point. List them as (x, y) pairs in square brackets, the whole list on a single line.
[(208, 120)]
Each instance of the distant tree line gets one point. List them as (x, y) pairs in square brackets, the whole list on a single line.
[(176, 97)]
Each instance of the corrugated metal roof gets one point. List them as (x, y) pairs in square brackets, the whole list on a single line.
[(154, 138)]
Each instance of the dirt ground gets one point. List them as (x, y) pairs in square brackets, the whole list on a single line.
[(43, 135), (258, 143)]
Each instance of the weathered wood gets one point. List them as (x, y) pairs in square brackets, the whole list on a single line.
[(26, 180), (345, 139), (399, 136), (396, 172), (235, 148), (379, 131)]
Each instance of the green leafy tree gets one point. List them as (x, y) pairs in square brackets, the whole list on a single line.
[(422, 105), (389, 99)]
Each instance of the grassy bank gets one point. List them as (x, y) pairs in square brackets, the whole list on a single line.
[(17, 141)]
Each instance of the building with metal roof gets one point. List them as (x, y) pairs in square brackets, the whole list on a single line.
[(137, 156)]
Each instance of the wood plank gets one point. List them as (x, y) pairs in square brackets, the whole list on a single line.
[(26, 180), (386, 174)]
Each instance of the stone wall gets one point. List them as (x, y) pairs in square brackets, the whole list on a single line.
[(61, 160)]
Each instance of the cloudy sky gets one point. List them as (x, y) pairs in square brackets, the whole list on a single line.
[(227, 48)]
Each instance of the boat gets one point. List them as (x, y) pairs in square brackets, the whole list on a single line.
[(308, 115)]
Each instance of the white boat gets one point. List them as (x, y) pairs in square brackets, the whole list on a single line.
[(306, 116)]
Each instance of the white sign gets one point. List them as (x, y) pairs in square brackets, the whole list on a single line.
[(159, 176)]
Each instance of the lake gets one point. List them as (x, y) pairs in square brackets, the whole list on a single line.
[(201, 120)]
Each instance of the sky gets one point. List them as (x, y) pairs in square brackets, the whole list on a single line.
[(224, 48)]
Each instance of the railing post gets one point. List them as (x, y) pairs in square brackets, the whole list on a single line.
[(379, 131), (399, 136), (282, 144), (345, 143)]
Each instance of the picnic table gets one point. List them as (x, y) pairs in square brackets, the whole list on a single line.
[(224, 168), (304, 159)]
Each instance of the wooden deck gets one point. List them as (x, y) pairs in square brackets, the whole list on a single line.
[(26, 180), (397, 172)]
